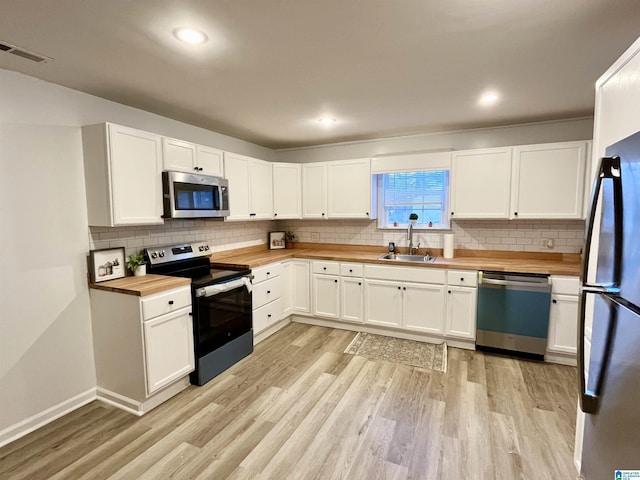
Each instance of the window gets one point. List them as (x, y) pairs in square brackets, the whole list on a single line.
[(424, 193)]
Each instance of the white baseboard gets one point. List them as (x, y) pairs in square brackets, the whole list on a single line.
[(41, 419), (391, 332), (562, 359), (140, 408)]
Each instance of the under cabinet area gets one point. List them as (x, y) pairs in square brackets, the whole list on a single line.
[(143, 346), (123, 175)]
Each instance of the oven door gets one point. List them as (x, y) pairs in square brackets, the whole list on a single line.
[(222, 313)]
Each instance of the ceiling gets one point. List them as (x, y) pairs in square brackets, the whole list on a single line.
[(381, 68)]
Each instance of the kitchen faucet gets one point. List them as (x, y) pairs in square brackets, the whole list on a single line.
[(412, 248)]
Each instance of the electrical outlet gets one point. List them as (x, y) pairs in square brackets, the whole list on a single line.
[(546, 243), (315, 236)]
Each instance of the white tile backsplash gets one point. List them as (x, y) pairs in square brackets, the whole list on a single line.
[(515, 235), (219, 235)]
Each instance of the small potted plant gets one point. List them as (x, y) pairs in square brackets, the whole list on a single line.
[(137, 264), (289, 238), (414, 218)]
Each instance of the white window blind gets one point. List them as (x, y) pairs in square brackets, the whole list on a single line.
[(424, 193)]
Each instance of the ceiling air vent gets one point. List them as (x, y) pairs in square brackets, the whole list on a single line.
[(21, 52)]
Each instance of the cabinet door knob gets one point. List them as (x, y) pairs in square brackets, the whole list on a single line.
[(268, 273), (359, 283), (554, 301), (275, 214), (404, 288), (462, 279), (452, 214), (191, 314), (195, 168), (350, 271), (367, 214), (268, 292), (170, 302), (269, 315), (398, 288), (323, 214), (336, 281), (324, 268), (449, 291), (515, 214)]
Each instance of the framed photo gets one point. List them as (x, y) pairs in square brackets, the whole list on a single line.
[(276, 240), (106, 264)]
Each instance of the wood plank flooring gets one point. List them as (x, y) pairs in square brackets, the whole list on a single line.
[(299, 408)]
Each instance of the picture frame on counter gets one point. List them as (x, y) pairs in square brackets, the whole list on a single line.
[(276, 240), (106, 264)]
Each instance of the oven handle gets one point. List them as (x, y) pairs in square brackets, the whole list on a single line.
[(218, 288)]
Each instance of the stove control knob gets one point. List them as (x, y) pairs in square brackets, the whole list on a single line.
[(161, 254), (154, 254), (206, 247), (201, 248)]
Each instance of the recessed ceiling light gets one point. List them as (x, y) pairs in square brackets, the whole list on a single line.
[(190, 35), (327, 121), (489, 98)]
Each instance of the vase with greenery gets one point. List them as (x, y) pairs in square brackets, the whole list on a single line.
[(413, 218), (137, 264), (289, 238)]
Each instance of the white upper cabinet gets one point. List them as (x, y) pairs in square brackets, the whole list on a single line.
[(287, 190), (250, 187), (548, 180), (123, 175), (188, 157), (349, 189), (314, 190), (481, 183)]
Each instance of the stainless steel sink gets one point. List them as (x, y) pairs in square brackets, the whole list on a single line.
[(398, 257)]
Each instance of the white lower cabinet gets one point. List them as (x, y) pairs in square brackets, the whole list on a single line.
[(412, 306), (168, 346), (266, 296), (351, 299), (300, 288), (143, 346), (383, 303), (461, 312), (423, 307), (563, 316), (326, 296)]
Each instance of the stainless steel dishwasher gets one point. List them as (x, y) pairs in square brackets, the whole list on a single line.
[(513, 312)]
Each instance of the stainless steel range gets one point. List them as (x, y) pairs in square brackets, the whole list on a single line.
[(221, 304)]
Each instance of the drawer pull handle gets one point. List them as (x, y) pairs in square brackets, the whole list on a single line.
[(268, 273), (269, 315), (268, 292), (462, 279), (398, 288), (170, 302), (324, 268), (350, 271)]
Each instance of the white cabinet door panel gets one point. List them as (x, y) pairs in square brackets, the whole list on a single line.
[(461, 312), (169, 353), (326, 294), (236, 170), (287, 191), (178, 156), (351, 299), (423, 307), (481, 183), (301, 286), (261, 190), (383, 303), (210, 161), (314, 190), (349, 189), (563, 324)]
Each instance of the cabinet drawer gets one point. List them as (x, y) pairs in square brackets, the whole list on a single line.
[(351, 270), (330, 268), (266, 292), (165, 302), (462, 278), (564, 285), (406, 274), (266, 272), (267, 315)]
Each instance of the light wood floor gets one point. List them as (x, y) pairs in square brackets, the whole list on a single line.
[(299, 408)]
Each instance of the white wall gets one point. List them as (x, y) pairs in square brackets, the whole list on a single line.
[(46, 351), (541, 132)]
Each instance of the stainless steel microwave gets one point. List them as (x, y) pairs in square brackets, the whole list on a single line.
[(189, 195)]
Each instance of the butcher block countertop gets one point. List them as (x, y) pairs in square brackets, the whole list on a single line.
[(141, 286), (522, 262)]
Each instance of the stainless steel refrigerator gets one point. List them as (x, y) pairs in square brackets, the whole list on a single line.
[(610, 397)]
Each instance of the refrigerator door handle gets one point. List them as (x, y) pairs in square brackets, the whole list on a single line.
[(589, 399), (609, 168)]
